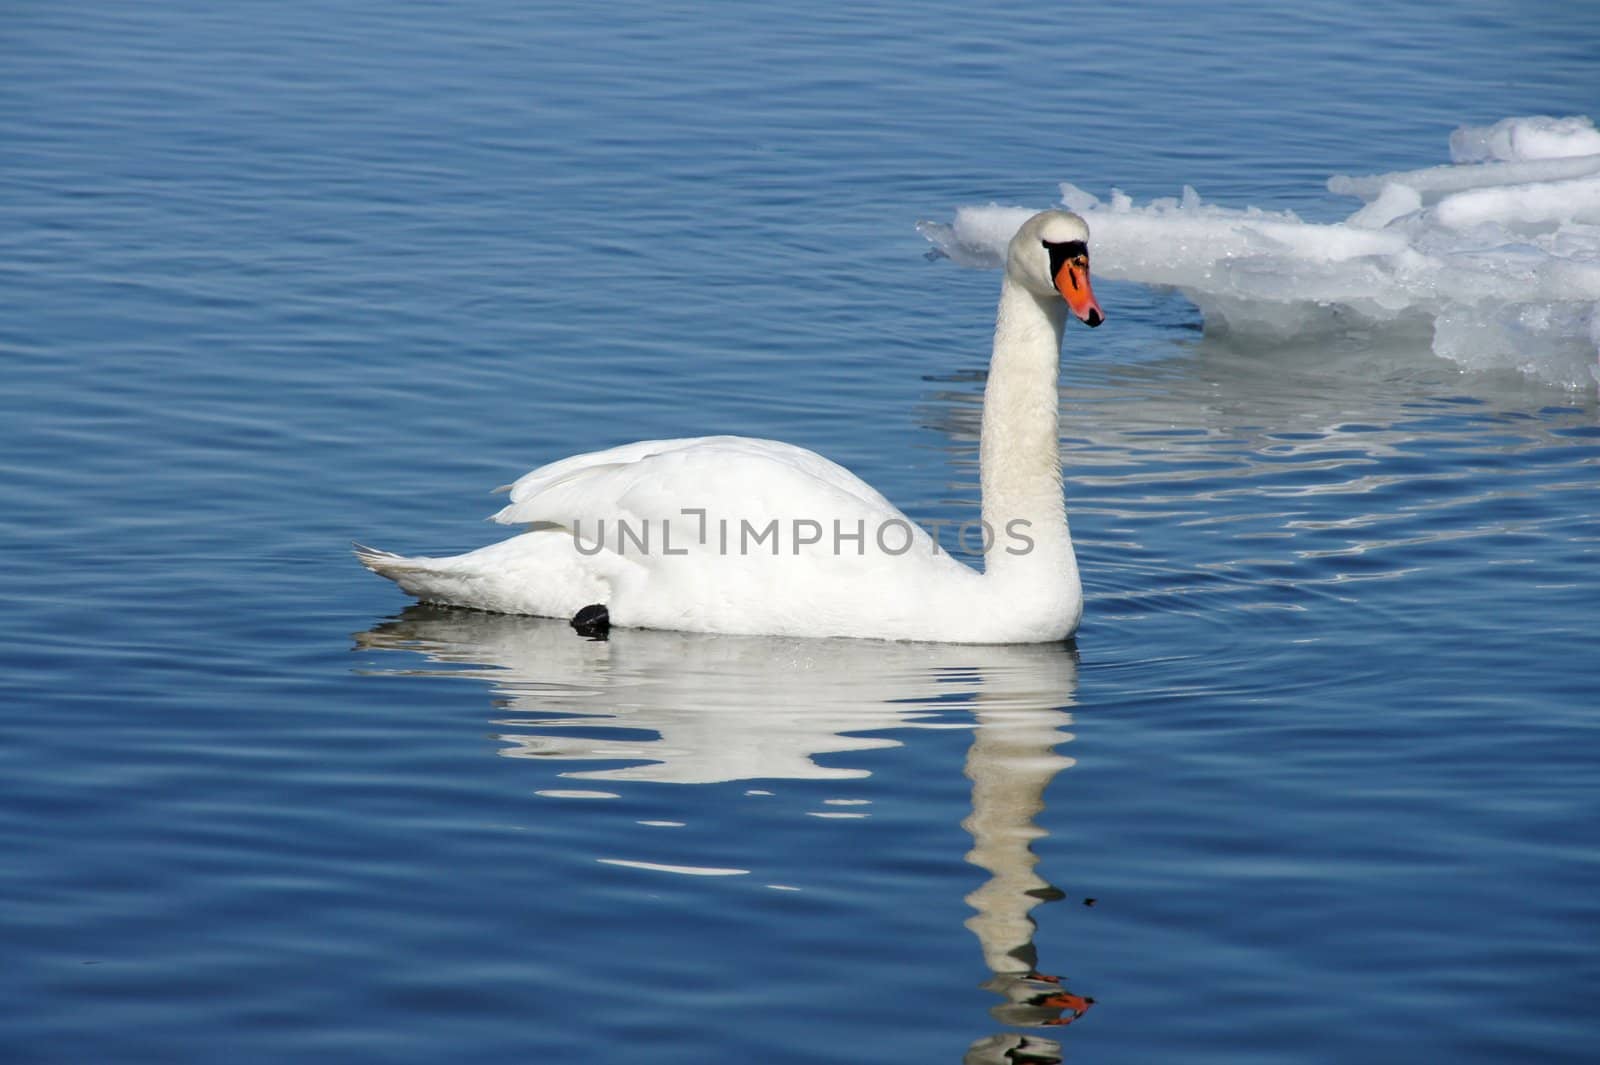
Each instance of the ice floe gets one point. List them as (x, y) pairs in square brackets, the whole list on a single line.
[(1495, 256)]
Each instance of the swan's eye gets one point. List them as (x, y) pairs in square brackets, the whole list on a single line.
[(1063, 252)]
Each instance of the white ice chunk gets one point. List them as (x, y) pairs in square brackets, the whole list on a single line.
[(1442, 180), (1076, 199), (1499, 260), (1553, 341), (1537, 204), (1516, 139), (1395, 201)]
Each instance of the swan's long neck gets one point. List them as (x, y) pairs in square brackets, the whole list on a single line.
[(1020, 453)]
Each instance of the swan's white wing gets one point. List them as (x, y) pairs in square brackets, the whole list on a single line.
[(727, 477), (733, 534), (702, 457)]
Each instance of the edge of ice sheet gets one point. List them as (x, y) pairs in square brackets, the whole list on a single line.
[(1498, 253)]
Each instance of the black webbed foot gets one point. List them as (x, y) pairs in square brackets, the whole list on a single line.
[(593, 621)]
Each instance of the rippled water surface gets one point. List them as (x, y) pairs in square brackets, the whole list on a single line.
[(1316, 783)]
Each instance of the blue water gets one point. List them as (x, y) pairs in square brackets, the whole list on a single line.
[(278, 276)]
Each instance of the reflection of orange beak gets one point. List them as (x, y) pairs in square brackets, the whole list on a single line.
[(1072, 281)]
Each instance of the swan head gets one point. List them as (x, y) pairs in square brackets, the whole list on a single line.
[(1049, 257)]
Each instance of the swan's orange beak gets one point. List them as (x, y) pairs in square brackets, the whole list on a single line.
[(1072, 281)]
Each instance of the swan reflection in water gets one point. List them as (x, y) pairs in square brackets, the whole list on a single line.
[(729, 708)]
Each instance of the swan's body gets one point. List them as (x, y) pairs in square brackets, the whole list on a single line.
[(737, 535)]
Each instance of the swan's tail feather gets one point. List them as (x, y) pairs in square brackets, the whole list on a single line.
[(433, 580), (535, 573), (385, 563)]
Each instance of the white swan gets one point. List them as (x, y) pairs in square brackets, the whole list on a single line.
[(736, 535)]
